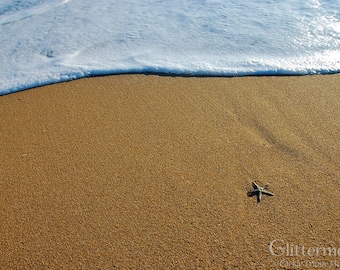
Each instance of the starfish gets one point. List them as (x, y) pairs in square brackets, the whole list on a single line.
[(258, 191)]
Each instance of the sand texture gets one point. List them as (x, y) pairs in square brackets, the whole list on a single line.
[(152, 172)]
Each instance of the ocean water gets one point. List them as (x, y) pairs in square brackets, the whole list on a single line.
[(48, 41)]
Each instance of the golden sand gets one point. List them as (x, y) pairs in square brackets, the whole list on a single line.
[(152, 172)]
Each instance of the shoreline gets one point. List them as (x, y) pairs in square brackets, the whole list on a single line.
[(152, 172), (179, 75)]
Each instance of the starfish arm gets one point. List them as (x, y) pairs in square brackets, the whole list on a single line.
[(268, 193), (259, 196), (251, 193), (255, 186), (265, 186)]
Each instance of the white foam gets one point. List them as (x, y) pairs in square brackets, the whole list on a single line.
[(47, 41)]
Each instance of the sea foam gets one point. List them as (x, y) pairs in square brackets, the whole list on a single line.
[(48, 41)]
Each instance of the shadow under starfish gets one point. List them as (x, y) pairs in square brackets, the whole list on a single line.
[(258, 191)]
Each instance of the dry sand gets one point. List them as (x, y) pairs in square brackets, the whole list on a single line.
[(152, 172)]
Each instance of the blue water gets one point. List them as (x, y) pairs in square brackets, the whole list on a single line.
[(48, 41)]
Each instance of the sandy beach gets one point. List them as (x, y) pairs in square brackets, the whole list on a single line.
[(152, 172)]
